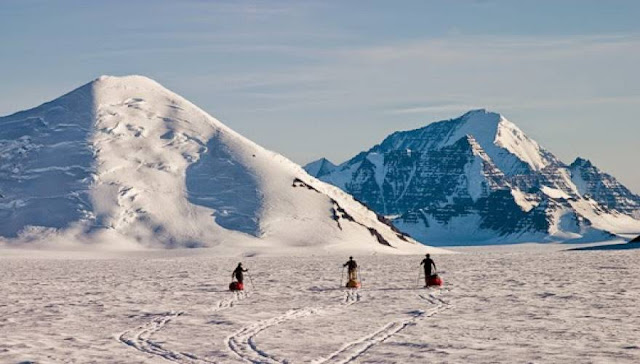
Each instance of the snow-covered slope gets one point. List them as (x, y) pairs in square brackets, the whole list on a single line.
[(122, 159), (479, 179)]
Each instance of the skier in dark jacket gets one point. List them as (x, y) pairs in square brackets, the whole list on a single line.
[(352, 266), (238, 273), (428, 262)]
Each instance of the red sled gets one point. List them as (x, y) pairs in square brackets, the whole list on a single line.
[(236, 286), (434, 280), (353, 284)]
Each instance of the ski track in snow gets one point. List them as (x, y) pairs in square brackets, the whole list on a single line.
[(140, 337), (356, 349), (351, 297), (243, 344), (579, 307)]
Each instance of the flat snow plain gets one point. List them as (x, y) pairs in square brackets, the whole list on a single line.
[(499, 304)]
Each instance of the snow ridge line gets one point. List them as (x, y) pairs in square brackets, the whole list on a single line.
[(356, 349), (140, 337)]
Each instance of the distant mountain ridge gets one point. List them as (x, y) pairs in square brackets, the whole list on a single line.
[(603, 188), (480, 179), (124, 161), (320, 167)]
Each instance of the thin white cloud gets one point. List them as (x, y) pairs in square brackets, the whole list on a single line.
[(453, 47), (518, 105), (250, 9), (428, 109)]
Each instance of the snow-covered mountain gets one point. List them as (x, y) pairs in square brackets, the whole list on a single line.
[(604, 188), (124, 160), (479, 179), (320, 167)]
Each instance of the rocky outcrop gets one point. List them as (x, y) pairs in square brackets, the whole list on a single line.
[(479, 178), (603, 188)]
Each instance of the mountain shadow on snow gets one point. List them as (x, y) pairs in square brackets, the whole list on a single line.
[(219, 182), (125, 162), (633, 244), (46, 164)]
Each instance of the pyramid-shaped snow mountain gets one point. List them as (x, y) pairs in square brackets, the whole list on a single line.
[(479, 179), (122, 159)]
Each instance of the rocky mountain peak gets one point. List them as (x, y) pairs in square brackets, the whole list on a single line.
[(582, 163), (320, 167), (479, 177), (482, 116)]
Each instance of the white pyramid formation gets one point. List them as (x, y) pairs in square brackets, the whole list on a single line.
[(124, 161)]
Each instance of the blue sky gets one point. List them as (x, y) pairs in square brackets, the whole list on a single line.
[(331, 78)]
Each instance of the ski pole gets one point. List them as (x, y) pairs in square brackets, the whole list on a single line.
[(360, 277), (341, 276), (251, 280), (419, 274)]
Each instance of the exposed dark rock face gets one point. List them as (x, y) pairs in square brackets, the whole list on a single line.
[(480, 178), (299, 183), (603, 188), (339, 214)]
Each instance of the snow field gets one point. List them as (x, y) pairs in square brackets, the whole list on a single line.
[(501, 305)]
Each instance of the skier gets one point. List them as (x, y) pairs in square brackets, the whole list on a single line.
[(427, 262), (352, 266), (238, 273)]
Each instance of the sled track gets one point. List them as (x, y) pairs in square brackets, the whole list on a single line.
[(356, 349), (351, 297), (140, 337), (242, 343)]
